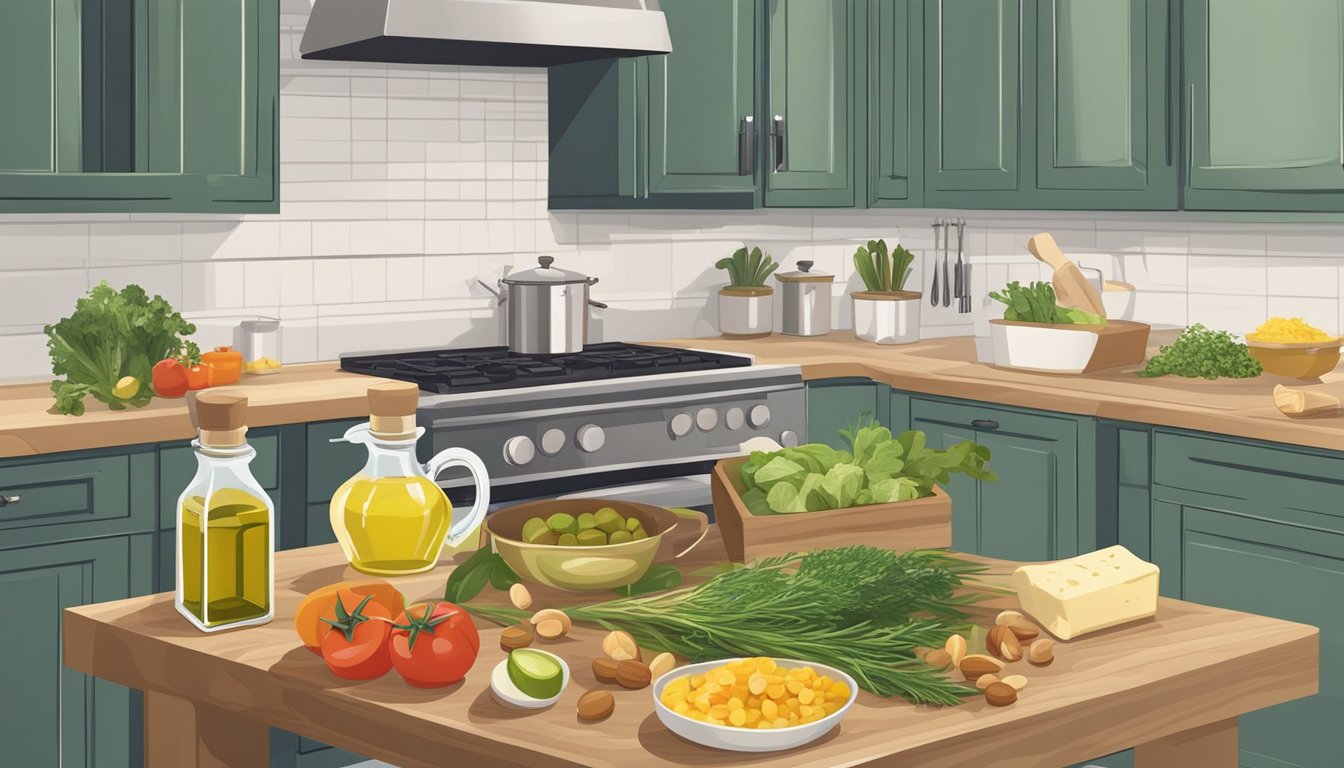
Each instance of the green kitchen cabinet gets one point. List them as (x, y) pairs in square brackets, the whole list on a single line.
[(810, 49), (1236, 557), (55, 716), (78, 495), (837, 404), (1263, 126), (1042, 505), (895, 91), (328, 466), (124, 107)]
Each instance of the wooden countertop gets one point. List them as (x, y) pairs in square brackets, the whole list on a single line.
[(315, 392), (1165, 684), (947, 367)]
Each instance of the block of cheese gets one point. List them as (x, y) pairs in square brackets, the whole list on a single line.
[(1089, 592)]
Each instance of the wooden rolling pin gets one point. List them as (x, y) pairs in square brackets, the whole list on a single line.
[(1072, 289), (1304, 402)]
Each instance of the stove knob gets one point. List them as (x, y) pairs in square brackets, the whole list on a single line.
[(735, 418), (519, 450), (590, 438), (681, 425), (788, 438), (706, 419), (759, 416), (552, 440)]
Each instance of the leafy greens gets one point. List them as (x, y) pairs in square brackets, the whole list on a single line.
[(1203, 353), (113, 334), (877, 469), (1036, 303)]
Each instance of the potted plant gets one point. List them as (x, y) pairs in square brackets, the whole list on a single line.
[(885, 313), (746, 304)]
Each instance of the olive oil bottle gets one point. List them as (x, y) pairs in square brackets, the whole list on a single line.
[(225, 531)]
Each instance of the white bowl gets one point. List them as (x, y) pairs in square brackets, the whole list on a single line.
[(1119, 303), (749, 739), (507, 693), (1042, 347)]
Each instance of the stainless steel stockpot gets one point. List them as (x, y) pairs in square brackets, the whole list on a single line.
[(546, 309)]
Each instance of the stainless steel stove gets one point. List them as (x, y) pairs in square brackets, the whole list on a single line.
[(623, 420)]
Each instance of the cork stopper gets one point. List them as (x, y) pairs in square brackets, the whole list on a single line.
[(392, 410), (222, 416)]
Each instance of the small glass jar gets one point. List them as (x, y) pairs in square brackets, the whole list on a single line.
[(260, 345)]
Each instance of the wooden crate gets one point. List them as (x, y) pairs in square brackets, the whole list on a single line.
[(903, 525)]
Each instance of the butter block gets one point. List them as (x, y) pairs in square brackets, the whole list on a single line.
[(1090, 592)]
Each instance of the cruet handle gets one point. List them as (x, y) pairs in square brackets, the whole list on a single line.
[(461, 457)]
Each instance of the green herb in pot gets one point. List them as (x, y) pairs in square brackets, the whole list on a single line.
[(1204, 354), (748, 269), (1036, 303), (880, 272)]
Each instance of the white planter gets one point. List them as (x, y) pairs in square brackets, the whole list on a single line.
[(1042, 347), (746, 312), (887, 318)]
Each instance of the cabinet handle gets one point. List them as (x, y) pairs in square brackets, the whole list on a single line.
[(777, 132), (746, 146), (984, 424), (5, 501)]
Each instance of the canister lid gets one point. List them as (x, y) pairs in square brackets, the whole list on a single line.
[(546, 275), (804, 274), (264, 325)]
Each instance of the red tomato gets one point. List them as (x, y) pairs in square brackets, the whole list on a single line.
[(169, 378), (434, 644), (199, 376), (355, 647)]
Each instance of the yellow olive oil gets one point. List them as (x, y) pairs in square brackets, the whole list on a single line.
[(390, 526), (225, 552)]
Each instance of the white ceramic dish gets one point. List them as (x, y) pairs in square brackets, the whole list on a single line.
[(1042, 347), (749, 739), (1119, 302), (507, 693)]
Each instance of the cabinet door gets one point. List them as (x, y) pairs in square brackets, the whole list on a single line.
[(55, 716), (832, 407), (972, 74), (1103, 79), (699, 96), (163, 106), (1247, 563), (895, 107), (809, 98), (1264, 126), (596, 122), (944, 427)]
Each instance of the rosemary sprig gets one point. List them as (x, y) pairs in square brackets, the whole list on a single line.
[(860, 609)]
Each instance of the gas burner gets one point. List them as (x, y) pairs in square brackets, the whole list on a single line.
[(447, 371)]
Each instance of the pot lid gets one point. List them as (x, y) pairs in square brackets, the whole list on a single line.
[(804, 274), (546, 275)]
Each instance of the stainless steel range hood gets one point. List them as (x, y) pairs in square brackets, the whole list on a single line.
[(519, 33)]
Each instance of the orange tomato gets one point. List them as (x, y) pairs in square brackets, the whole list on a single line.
[(321, 603)]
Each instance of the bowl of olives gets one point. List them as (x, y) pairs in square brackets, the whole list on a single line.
[(580, 544)]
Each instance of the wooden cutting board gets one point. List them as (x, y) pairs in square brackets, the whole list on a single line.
[(1071, 288)]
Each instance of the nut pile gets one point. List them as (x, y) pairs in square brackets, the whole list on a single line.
[(1011, 639), (623, 665)]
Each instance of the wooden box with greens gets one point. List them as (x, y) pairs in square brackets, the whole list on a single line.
[(884, 491)]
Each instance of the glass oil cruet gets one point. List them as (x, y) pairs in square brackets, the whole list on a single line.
[(225, 531), (391, 518)]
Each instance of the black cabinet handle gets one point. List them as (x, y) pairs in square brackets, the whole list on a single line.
[(984, 424), (777, 132), (5, 501), (746, 146)]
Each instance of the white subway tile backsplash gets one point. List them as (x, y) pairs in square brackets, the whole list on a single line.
[(1236, 313), (368, 278), (1240, 275), (1322, 313), (296, 282), (331, 281), (32, 299), (1297, 276)]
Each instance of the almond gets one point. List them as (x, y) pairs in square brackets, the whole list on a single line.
[(620, 645), (1008, 618), (1025, 633), (662, 664), (551, 629), (633, 674), (985, 680), (551, 614), (938, 659), (520, 597), (1000, 694), (1001, 642), (516, 636), (956, 648), (975, 665), (595, 705), (1041, 652), (604, 669), (1017, 681)]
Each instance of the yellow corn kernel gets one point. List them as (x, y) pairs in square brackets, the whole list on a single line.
[(794, 685), (735, 704), (738, 717), (769, 709), (806, 695), (681, 708), (756, 684), (719, 710), (697, 681), (753, 716), (725, 678), (702, 703), (781, 722), (775, 692)]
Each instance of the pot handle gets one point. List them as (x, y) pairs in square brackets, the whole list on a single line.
[(498, 294), (596, 303), (461, 457), (592, 281)]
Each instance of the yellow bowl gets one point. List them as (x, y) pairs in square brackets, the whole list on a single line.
[(1297, 360), (578, 569)]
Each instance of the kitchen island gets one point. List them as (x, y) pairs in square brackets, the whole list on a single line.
[(1173, 686)]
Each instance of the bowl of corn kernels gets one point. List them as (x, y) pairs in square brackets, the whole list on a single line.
[(1289, 346), (753, 704)]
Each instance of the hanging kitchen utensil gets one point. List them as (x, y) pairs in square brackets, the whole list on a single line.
[(547, 309), (947, 284), (1072, 289), (933, 292), (963, 270)]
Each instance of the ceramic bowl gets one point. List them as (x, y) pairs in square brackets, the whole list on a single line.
[(1051, 348), (1297, 360), (749, 739), (501, 685), (578, 569)]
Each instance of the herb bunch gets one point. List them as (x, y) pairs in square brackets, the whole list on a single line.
[(860, 609), (1036, 303), (747, 269), (1205, 354), (879, 271)]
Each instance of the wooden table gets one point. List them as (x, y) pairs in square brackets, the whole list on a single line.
[(1173, 686)]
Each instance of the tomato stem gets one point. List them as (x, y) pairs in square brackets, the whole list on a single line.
[(346, 621), (417, 624)]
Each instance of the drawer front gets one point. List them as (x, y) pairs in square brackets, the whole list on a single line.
[(1268, 477), (76, 496), (177, 465)]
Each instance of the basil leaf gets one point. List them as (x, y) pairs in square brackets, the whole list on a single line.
[(501, 575), (660, 577), (468, 579)]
